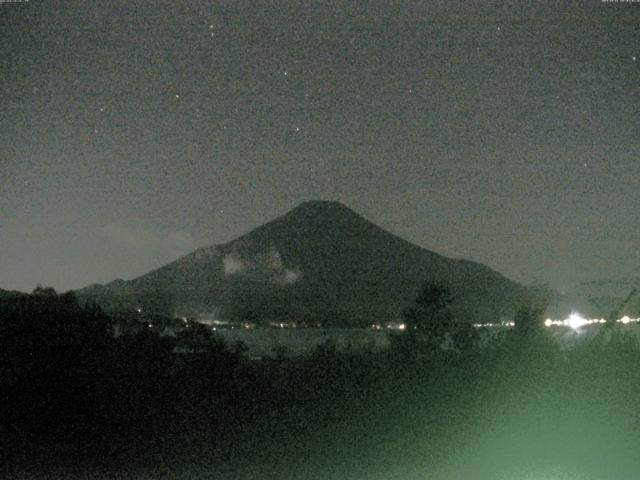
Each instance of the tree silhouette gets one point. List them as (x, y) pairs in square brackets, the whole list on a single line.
[(530, 346), (528, 318), (430, 314)]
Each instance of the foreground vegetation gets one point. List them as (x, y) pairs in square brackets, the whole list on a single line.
[(78, 403)]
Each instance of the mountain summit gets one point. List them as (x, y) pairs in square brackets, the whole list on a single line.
[(321, 263)]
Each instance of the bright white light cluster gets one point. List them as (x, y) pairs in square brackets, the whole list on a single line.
[(575, 321), (388, 326), (626, 320), (493, 325)]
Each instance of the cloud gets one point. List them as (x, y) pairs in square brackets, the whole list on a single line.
[(232, 264), (290, 276), (267, 265)]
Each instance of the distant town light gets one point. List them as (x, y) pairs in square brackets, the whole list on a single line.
[(576, 321)]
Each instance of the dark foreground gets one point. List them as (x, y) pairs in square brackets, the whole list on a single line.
[(520, 408)]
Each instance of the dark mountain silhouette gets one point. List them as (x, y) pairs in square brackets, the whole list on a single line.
[(320, 262)]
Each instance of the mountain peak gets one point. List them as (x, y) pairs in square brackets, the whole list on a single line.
[(322, 220), (322, 205), (325, 209)]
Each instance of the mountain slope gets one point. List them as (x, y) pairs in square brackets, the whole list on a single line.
[(320, 262)]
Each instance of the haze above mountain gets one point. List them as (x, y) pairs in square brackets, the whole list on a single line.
[(320, 262)]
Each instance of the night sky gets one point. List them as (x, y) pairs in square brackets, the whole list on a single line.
[(133, 132)]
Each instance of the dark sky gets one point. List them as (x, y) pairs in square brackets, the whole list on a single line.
[(503, 132)]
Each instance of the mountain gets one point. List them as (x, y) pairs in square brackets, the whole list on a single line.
[(320, 262)]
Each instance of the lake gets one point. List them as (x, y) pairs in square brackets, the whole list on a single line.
[(298, 341)]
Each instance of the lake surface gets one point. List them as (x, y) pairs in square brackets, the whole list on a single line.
[(298, 341)]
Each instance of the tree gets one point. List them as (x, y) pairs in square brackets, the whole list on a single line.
[(199, 338), (531, 347), (44, 291), (528, 320), (430, 313)]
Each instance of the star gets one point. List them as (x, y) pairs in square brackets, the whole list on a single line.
[(177, 96), (634, 58)]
